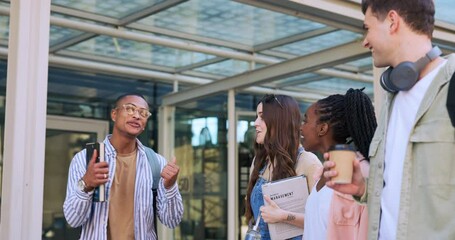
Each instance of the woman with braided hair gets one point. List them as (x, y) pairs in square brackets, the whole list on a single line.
[(278, 155), (337, 119)]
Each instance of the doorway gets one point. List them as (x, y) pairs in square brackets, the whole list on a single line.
[(65, 137)]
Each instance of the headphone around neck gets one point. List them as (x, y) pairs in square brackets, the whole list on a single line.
[(405, 75)]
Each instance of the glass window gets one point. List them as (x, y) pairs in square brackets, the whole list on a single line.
[(201, 146)]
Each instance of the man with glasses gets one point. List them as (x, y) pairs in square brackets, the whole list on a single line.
[(127, 212)]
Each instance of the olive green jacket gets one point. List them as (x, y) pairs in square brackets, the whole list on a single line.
[(427, 202)]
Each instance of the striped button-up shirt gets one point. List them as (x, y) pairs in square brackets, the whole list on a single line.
[(80, 210)]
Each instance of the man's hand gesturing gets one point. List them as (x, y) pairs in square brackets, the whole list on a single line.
[(170, 173)]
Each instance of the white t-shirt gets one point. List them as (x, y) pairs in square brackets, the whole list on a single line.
[(401, 122), (317, 213)]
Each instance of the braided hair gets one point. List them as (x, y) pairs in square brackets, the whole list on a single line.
[(351, 116)]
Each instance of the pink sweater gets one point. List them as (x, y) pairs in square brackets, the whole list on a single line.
[(348, 219)]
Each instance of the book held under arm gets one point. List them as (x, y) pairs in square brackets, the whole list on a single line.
[(100, 192), (289, 194)]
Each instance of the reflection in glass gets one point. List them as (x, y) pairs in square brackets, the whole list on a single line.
[(319, 43), (230, 21), (225, 68), (201, 150), (337, 85), (204, 131), (60, 149), (122, 8), (4, 30), (139, 52)]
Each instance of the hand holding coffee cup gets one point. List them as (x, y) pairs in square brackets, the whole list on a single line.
[(343, 156)]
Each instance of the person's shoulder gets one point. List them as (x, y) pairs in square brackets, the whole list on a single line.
[(307, 161), (80, 154), (450, 64), (148, 150), (79, 159), (306, 156), (160, 158)]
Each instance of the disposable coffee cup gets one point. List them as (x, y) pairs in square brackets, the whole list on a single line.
[(343, 155)]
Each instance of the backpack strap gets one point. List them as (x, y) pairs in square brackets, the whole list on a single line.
[(451, 100), (156, 174), (155, 165)]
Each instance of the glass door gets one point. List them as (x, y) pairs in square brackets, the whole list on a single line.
[(201, 151), (64, 137)]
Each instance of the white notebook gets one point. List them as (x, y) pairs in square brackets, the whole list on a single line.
[(289, 194)]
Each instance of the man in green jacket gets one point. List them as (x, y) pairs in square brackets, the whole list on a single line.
[(411, 186)]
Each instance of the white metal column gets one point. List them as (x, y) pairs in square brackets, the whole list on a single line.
[(25, 120), (232, 165), (166, 135)]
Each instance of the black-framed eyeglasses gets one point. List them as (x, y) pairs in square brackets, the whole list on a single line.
[(130, 109), (269, 97)]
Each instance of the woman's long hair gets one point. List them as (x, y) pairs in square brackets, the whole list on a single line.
[(282, 116)]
